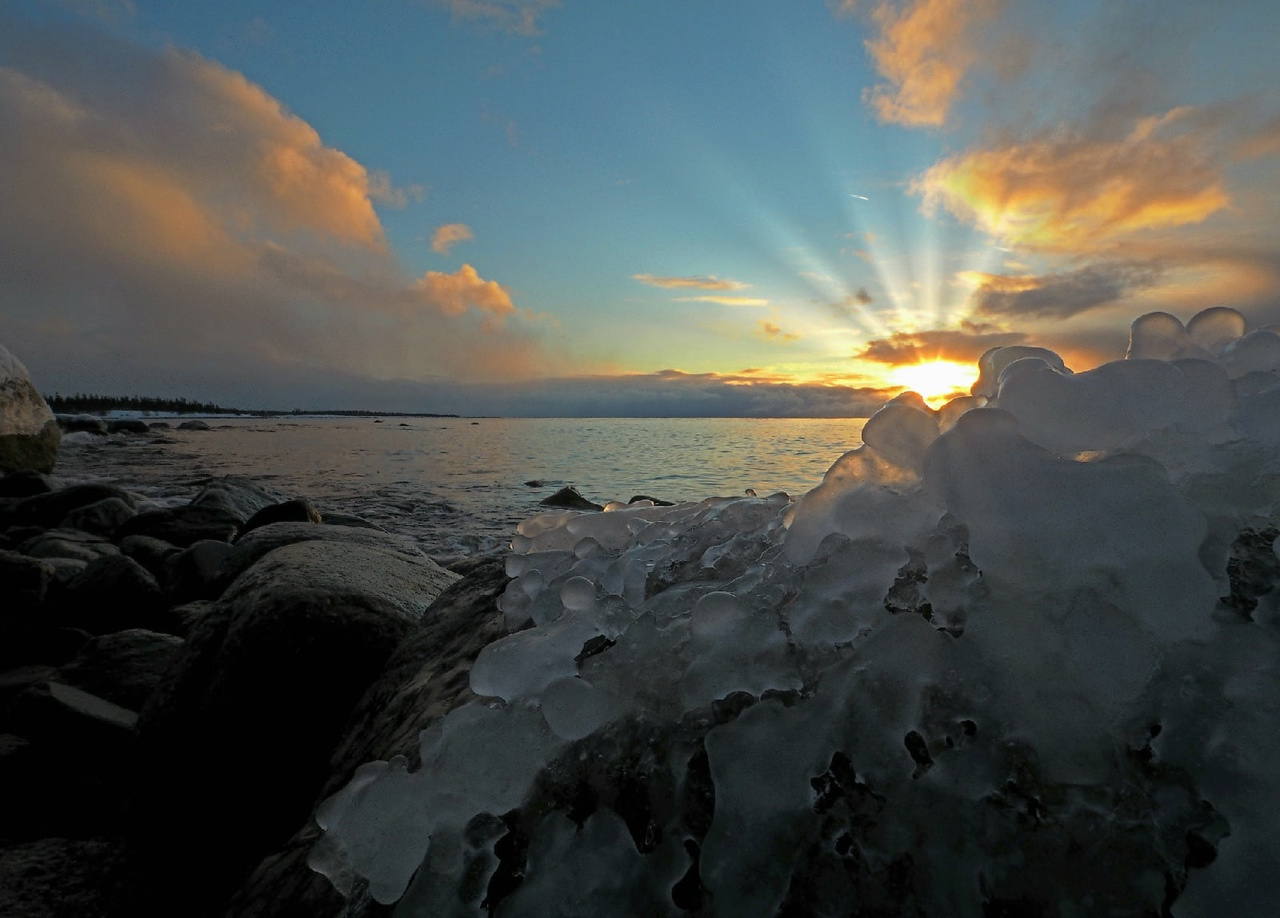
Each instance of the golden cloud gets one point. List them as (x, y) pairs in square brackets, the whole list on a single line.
[(445, 237), (1077, 194), (774, 331), (963, 345), (724, 300), (453, 294), (923, 50), (699, 282)]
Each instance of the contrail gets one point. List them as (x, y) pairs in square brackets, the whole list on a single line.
[(860, 197)]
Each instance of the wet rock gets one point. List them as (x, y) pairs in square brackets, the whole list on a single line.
[(270, 674), (568, 498), (102, 518), (194, 425), (192, 573), (25, 484), (68, 544), (112, 593), (268, 538), (82, 423), (299, 510), (48, 510), (63, 877), (123, 667), (182, 526), (127, 425), (150, 552)]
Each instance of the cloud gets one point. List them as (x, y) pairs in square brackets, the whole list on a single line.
[(453, 294), (517, 17), (724, 300), (964, 345), (109, 12), (1058, 295), (862, 296), (445, 237), (1072, 193), (176, 226), (699, 282), (922, 49), (774, 332)]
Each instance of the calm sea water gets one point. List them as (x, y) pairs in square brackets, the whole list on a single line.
[(459, 485)]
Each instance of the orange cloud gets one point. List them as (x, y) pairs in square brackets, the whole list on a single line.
[(963, 345), (1078, 194), (923, 50), (1058, 295), (453, 294), (700, 282), (774, 331), (445, 237)]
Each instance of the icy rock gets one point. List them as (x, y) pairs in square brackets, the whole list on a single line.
[(1160, 336), (994, 361), (1215, 328), (901, 432)]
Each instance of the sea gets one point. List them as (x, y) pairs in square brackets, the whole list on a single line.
[(460, 486)]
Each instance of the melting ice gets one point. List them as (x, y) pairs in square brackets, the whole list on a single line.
[(1021, 652)]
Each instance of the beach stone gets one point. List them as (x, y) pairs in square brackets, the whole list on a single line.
[(267, 539), (112, 593), (71, 718), (82, 423), (124, 667), (181, 619), (194, 425), (299, 510), (150, 552), (127, 425), (192, 572), (69, 545), (48, 510), (350, 519), (13, 682), (26, 582), (63, 878), (182, 526), (256, 701), (102, 518), (29, 433), (426, 677), (25, 484), (238, 497), (568, 498)]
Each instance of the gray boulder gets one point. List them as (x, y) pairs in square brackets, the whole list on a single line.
[(112, 593), (68, 544), (266, 539), (123, 667), (290, 511), (127, 425), (218, 512), (48, 510), (82, 423), (103, 517), (241, 728), (426, 677), (29, 434), (194, 425), (568, 498)]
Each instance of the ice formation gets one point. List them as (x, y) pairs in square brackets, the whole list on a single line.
[(1018, 655)]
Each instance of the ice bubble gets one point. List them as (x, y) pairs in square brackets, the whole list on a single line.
[(1214, 328), (1160, 336), (901, 432), (993, 363), (574, 708), (578, 594)]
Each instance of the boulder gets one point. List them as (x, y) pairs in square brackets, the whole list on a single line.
[(194, 425), (68, 544), (192, 572), (268, 538), (568, 498), (102, 518), (289, 511), (29, 434), (112, 593), (123, 667), (48, 510), (25, 484), (150, 552), (241, 728), (82, 423), (425, 678), (127, 425), (218, 512)]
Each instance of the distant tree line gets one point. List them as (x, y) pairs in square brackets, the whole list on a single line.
[(101, 404), (98, 404)]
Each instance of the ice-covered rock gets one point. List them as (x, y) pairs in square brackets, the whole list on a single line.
[(29, 433), (1018, 655)]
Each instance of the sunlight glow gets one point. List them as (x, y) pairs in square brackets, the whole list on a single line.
[(937, 381)]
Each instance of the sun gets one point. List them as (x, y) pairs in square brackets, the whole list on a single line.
[(937, 381)]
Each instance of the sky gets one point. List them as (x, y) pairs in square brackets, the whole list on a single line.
[(667, 207)]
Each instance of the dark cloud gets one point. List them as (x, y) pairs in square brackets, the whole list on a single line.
[(965, 345), (1061, 295)]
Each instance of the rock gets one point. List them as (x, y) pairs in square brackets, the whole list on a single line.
[(112, 593), (159, 425), (299, 510), (101, 518), (240, 730), (182, 526), (127, 425), (238, 497), (194, 425), (14, 682), (48, 510), (68, 544), (24, 484), (268, 538), (82, 423), (568, 498), (29, 433), (425, 678), (26, 582), (180, 620), (150, 552), (123, 667), (348, 519), (657, 502), (192, 572), (63, 878)]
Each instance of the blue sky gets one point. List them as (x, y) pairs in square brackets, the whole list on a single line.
[(669, 207)]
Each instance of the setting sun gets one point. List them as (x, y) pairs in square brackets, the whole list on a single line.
[(937, 381)]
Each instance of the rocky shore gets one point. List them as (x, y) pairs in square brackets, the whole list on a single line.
[(179, 688)]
